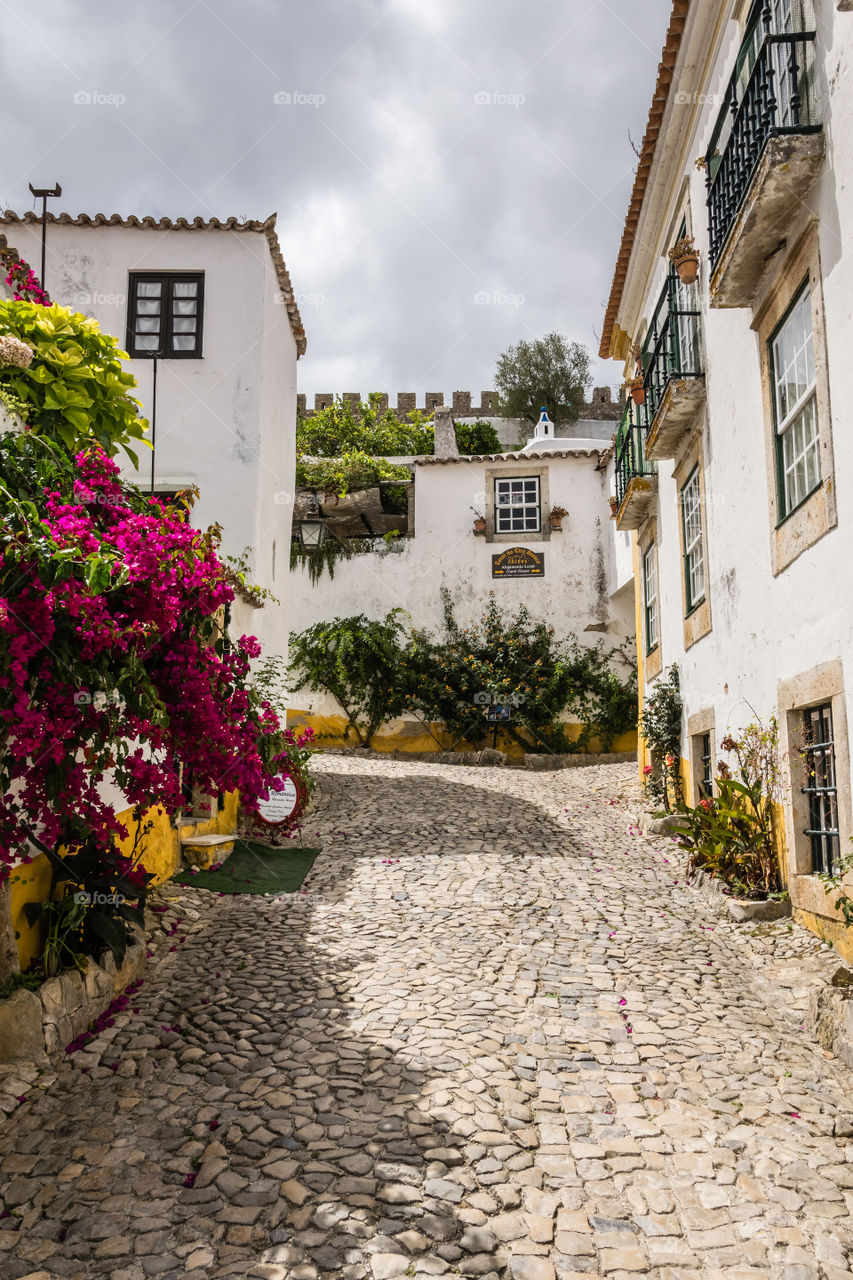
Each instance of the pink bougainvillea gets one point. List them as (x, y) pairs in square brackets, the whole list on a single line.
[(114, 660)]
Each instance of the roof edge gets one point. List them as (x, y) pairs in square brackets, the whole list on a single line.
[(265, 227), (612, 338)]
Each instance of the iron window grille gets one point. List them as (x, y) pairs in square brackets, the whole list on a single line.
[(770, 93), (671, 347), (694, 556), (650, 592), (821, 789), (706, 778), (795, 415), (517, 505), (631, 457), (165, 314)]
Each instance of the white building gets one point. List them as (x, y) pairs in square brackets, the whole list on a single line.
[(577, 578), (735, 473), (213, 300)]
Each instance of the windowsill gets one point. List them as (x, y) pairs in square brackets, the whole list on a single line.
[(693, 608), (788, 514)]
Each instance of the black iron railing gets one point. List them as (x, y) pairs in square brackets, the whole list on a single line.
[(631, 448), (672, 347), (774, 98)]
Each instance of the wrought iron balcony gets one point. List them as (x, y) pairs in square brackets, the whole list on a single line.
[(764, 154), (674, 381), (636, 478)]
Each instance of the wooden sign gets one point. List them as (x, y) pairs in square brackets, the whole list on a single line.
[(283, 806), (519, 562)]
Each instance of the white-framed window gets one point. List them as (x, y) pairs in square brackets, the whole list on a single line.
[(650, 592), (517, 505), (795, 404), (694, 558)]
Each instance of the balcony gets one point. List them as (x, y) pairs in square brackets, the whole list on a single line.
[(673, 381), (765, 153), (636, 478)]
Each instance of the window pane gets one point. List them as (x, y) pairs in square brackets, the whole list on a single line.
[(184, 307), (143, 342), (149, 288), (183, 343), (148, 307), (185, 289), (184, 326), (148, 324)]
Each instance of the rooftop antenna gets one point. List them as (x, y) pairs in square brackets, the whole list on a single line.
[(45, 194)]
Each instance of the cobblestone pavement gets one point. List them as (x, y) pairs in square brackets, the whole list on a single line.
[(497, 1037)]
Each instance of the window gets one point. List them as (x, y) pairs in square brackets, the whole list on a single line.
[(517, 505), (795, 405), (694, 558), (165, 314), (706, 780), (650, 589), (821, 789)]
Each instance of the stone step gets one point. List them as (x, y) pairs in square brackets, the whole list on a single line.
[(203, 851), (204, 841)]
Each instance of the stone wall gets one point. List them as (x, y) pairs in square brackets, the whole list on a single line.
[(35, 1024), (601, 407)]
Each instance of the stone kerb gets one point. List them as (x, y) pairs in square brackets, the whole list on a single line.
[(35, 1025)]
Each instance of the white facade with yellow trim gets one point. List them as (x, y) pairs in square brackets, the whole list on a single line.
[(739, 488)]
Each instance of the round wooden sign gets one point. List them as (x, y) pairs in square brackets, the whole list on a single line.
[(283, 807)]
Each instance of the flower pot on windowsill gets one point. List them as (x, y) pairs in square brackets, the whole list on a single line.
[(688, 268)]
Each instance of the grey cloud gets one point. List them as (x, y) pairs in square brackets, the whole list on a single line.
[(401, 196)]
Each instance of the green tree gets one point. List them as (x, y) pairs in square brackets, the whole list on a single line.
[(549, 371), (475, 438), (341, 429)]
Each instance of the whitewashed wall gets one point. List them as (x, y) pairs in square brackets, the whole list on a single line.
[(580, 562), (225, 422), (764, 628)]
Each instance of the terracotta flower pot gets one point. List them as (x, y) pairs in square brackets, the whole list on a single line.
[(638, 394), (556, 522), (688, 268), (479, 526)]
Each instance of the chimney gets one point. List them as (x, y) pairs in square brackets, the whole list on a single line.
[(445, 435)]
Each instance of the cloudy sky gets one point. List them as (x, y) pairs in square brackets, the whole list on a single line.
[(449, 175)]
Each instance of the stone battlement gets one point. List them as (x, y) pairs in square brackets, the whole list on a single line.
[(602, 406)]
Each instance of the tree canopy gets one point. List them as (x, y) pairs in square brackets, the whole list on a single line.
[(549, 371)]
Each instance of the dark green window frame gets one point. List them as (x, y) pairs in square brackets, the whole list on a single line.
[(783, 510), (651, 610), (691, 601)]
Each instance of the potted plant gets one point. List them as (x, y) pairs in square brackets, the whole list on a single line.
[(685, 258), (479, 522), (637, 390), (614, 504), (556, 517)]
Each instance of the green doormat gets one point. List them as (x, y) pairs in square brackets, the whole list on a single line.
[(255, 868)]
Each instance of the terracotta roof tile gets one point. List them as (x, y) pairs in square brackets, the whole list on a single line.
[(601, 454), (265, 227)]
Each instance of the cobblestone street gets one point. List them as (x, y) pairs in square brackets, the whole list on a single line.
[(498, 1036)]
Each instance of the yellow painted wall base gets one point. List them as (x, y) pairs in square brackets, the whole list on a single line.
[(834, 931), (411, 736), (161, 855)]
